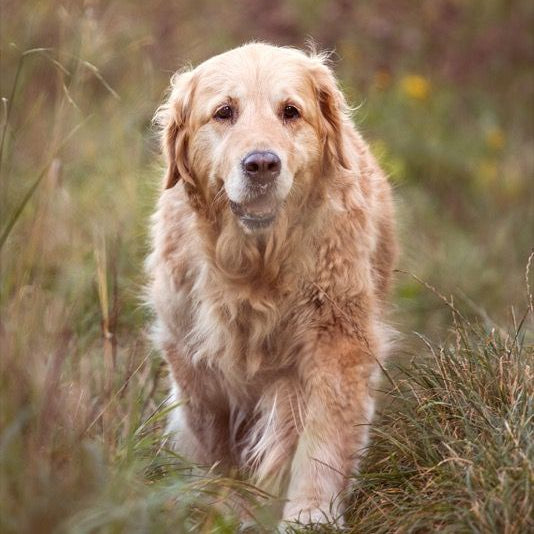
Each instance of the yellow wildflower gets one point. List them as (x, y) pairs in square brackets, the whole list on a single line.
[(487, 173), (415, 86), (495, 139)]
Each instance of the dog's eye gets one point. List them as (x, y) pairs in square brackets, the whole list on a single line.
[(290, 113), (224, 113)]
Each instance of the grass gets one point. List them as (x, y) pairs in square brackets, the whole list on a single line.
[(454, 450), (82, 396)]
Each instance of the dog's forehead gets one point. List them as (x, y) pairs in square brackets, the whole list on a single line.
[(255, 70)]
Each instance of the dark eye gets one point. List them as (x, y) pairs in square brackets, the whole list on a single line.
[(290, 113), (224, 113)]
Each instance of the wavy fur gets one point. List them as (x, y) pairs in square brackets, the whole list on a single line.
[(272, 338)]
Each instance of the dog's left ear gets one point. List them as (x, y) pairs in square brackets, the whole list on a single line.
[(173, 119), (333, 108)]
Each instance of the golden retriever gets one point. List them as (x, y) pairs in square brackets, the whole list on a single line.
[(273, 247)]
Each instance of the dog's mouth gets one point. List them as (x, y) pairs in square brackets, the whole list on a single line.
[(256, 214)]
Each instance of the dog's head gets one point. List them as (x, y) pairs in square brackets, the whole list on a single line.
[(253, 127)]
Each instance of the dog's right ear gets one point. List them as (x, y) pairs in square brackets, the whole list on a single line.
[(173, 118)]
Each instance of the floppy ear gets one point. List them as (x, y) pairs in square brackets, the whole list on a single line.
[(173, 118), (333, 108)]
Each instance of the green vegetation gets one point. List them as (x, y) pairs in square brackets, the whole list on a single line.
[(442, 91)]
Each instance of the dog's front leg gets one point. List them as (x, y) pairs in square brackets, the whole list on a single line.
[(198, 425), (339, 407)]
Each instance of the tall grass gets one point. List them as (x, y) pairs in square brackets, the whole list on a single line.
[(82, 396), (454, 451)]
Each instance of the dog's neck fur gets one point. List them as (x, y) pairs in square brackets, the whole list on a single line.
[(246, 288), (248, 281), (264, 260)]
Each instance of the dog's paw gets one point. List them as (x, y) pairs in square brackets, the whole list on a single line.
[(307, 516), (295, 515)]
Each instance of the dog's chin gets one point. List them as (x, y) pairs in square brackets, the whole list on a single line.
[(256, 215)]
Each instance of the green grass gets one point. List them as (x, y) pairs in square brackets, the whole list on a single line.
[(82, 396), (454, 450)]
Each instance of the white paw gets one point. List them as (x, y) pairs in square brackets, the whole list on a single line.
[(307, 516)]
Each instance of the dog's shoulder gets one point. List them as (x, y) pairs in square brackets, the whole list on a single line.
[(174, 254), (355, 246)]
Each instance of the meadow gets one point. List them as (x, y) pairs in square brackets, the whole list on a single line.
[(442, 90)]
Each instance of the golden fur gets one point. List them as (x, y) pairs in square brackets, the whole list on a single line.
[(273, 337)]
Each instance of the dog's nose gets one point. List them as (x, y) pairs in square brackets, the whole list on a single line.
[(262, 167)]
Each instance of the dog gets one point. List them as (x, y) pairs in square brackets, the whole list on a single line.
[(273, 245)]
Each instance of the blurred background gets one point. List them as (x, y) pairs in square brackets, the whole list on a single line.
[(442, 90)]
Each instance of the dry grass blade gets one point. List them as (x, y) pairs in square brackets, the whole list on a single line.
[(9, 101), (26, 198)]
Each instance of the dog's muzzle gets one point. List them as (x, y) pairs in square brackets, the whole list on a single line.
[(260, 170)]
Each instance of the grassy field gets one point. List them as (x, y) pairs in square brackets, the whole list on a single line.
[(444, 94)]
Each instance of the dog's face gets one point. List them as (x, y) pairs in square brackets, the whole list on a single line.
[(253, 126)]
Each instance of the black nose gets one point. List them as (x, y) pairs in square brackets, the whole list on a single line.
[(262, 167)]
